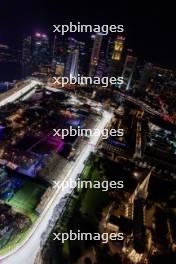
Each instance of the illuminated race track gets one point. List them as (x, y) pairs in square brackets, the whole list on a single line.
[(18, 92), (28, 249)]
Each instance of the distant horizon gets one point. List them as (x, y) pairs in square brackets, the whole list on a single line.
[(149, 29)]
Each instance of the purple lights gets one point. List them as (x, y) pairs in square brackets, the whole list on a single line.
[(39, 35), (35, 150), (74, 122), (56, 142)]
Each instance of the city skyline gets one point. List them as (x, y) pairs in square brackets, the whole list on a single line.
[(87, 133), (150, 36)]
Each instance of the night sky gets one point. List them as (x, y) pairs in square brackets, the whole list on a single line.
[(149, 29)]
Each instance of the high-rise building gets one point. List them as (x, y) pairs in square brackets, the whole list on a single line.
[(145, 76), (115, 57), (71, 68), (58, 50), (71, 43), (100, 68), (128, 70), (74, 63), (27, 50), (59, 53), (41, 51), (95, 53), (109, 50), (76, 58), (83, 58), (118, 48)]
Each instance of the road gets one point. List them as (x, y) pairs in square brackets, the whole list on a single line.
[(27, 251), (143, 105), (16, 92)]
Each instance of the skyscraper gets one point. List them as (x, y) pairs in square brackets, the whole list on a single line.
[(115, 56), (83, 58), (27, 50), (40, 51), (128, 71), (71, 68), (118, 48), (76, 58), (145, 76), (58, 50), (109, 50), (74, 63), (95, 53)]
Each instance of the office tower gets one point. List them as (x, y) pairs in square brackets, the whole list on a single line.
[(76, 58), (118, 48), (109, 50), (145, 76), (41, 52), (81, 46), (26, 50), (83, 58), (71, 68), (115, 56), (54, 53), (128, 70), (95, 54), (74, 63), (59, 52), (100, 68), (71, 46), (59, 55)]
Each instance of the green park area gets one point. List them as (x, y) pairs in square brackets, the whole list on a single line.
[(23, 201), (26, 199), (14, 241), (83, 212), (94, 198)]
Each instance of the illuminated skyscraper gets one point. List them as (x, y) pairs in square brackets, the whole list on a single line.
[(145, 76), (100, 68), (109, 50), (58, 50), (118, 48), (115, 56), (74, 63), (75, 44), (71, 68), (128, 71), (41, 52), (27, 50), (95, 54), (72, 43), (83, 58), (76, 58)]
